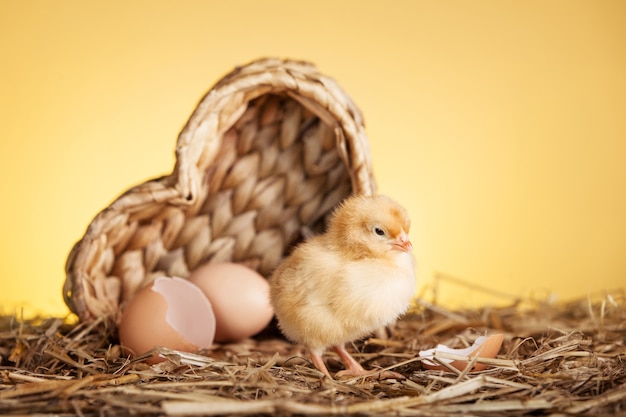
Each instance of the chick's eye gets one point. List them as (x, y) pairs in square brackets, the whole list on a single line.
[(379, 231)]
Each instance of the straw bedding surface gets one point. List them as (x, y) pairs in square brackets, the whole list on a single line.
[(565, 359)]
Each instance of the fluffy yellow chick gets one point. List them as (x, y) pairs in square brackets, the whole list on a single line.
[(348, 282)]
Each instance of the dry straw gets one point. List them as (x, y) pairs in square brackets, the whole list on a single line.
[(557, 359)]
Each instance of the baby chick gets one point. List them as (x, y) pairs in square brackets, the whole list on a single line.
[(342, 285)]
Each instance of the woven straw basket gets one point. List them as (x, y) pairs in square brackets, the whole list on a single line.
[(269, 151)]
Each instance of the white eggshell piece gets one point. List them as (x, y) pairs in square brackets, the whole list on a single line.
[(484, 346)]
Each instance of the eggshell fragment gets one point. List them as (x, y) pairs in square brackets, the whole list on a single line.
[(239, 296), (169, 312), (483, 347)]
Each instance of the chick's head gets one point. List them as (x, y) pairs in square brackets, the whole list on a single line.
[(370, 226)]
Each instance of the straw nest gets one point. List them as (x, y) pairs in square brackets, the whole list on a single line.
[(560, 359)]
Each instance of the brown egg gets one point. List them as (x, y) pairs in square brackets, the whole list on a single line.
[(239, 296), (483, 347), (169, 312)]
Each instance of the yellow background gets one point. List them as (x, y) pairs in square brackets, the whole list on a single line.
[(501, 125)]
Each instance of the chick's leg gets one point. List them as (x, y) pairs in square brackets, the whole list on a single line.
[(353, 368), (317, 360)]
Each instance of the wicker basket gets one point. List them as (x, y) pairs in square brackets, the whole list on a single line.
[(268, 153)]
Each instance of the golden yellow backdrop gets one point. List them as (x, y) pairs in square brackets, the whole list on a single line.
[(500, 125)]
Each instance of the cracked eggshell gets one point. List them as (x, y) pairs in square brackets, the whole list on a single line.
[(169, 312), (239, 296), (483, 347)]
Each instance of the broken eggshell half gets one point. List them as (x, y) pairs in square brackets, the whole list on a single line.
[(483, 347), (170, 312)]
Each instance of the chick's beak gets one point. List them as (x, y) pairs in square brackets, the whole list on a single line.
[(403, 243)]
